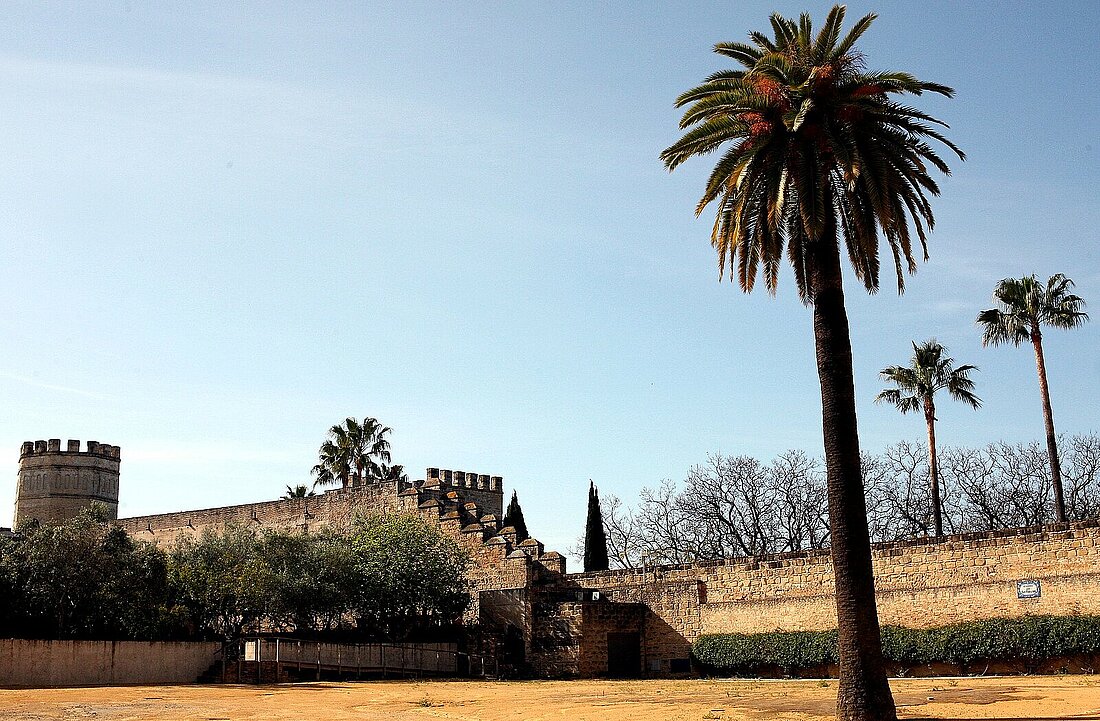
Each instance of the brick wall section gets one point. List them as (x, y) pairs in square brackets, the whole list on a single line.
[(513, 584), (919, 583)]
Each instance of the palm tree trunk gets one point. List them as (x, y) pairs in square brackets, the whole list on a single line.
[(1048, 421), (933, 465), (864, 692)]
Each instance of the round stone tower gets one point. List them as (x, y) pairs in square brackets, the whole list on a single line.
[(55, 484)]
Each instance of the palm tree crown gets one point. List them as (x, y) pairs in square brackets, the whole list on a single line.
[(929, 372), (816, 145), (354, 449), (1025, 304)]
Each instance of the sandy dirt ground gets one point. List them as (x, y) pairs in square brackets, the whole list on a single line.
[(1065, 697)]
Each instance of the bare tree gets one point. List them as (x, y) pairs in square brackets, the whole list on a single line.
[(624, 541), (670, 532), (737, 506), (1081, 476), (801, 508), (734, 500)]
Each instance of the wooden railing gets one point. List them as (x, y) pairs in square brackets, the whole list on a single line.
[(275, 659)]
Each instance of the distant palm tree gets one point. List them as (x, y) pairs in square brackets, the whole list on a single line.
[(366, 445), (395, 472), (928, 372), (353, 450), (299, 491), (819, 154), (1023, 306)]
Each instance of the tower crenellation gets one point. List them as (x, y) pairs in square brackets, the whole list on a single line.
[(486, 490), (55, 485), (53, 446)]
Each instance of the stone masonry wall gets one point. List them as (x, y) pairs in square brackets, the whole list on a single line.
[(571, 638), (466, 507), (336, 507), (920, 583), (55, 485)]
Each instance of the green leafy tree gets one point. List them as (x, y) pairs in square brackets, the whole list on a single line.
[(819, 153), (223, 581), (1024, 305), (84, 578), (513, 516), (410, 577), (298, 491), (929, 371), (312, 579), (595, 536)]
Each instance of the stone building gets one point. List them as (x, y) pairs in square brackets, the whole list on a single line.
[(527, 609)]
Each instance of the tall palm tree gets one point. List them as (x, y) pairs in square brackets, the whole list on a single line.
[(333, 462), (928, 372), (1024, 305), (819, 152)]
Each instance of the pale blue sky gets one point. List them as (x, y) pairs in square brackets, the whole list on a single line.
[(226, 228)]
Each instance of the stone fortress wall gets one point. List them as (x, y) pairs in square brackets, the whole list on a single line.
[(919, 583), (641, 621), (481, 495), (467, 507), (56, 484)]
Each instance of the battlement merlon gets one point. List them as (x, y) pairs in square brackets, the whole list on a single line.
[(53, 445), (465, 479)]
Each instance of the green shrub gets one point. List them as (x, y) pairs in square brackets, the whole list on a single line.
[(1028, 639)]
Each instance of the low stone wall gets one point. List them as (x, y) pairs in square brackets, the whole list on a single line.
[(42, 664)]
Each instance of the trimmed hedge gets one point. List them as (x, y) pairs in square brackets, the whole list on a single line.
[(1029, 640)]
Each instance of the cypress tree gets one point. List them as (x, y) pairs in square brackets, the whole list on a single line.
[(514, 517), (595, 539)]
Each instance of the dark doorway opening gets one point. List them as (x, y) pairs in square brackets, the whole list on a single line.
[(624, 655)]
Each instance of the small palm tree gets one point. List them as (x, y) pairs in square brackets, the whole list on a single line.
[(299, 491), (929, 371), (1024, 305), (396, 472)]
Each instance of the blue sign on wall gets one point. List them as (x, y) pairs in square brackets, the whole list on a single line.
[(1028, 589)]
